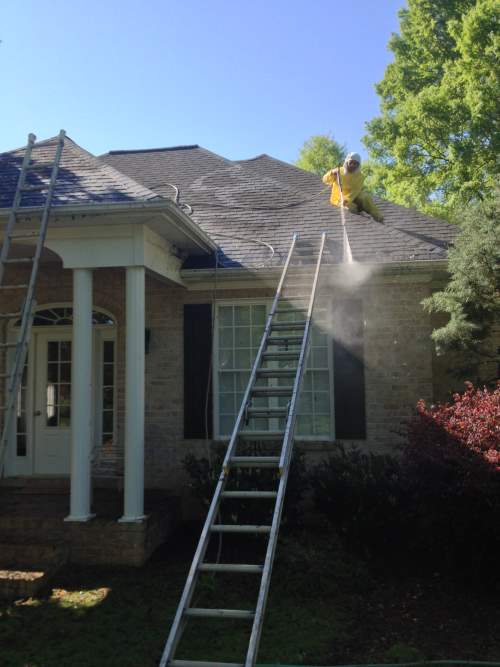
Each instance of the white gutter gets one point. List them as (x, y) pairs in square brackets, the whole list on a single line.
[(178, 217)]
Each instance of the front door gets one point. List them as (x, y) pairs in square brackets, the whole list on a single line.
[(52, 404)]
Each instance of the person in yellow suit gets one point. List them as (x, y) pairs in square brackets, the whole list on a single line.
[(355, 198)]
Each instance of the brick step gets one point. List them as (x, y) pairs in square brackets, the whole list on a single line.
[(34, 529), (27, 554)]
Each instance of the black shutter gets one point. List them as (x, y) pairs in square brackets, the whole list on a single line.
[(197, 361), (349, 370)]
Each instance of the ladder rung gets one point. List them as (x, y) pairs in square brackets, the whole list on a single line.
[(4, 375), (262, 435), (35, 188), (9, 344), (267, 412), (227, 567), (19, 260), (250, 494), (288, 326), (198, 612), (24, 235), (281, 355), (7, 316), (276, 372), (13, 286), (203, 663), (255, 461), (236, 528), (285, 340), (272, 391)]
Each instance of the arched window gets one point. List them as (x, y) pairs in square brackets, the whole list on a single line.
[(63, 316)]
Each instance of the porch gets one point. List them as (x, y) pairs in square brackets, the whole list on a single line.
[(33, 512)]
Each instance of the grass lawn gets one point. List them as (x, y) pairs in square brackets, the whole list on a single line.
[(325, 608)]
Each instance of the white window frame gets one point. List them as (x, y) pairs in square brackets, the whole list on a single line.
[(215, 375)]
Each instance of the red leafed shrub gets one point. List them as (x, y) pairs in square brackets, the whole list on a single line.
[(452, 464), (472, 421), (467, 428)]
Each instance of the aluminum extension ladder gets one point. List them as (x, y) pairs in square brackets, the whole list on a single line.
[(293, 339), (12, 378)]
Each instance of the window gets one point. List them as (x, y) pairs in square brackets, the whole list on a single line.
[(58, 389), (63, 316), (22, 427), (239, 329), (108, 392)]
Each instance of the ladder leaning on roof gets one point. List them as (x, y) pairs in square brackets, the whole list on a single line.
[(12, 377), (290, 334)]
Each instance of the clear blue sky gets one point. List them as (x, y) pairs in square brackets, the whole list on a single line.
[(240, 78)]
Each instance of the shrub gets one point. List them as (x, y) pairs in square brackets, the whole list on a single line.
[(363, 497), (451, 461)]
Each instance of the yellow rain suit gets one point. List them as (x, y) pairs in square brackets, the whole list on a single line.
[(355, 198)]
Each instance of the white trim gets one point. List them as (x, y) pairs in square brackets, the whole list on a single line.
[(25, 465)]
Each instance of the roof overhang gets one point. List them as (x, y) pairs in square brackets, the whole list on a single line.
[(164, 217)]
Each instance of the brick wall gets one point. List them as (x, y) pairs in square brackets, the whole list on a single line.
[(399, 363)]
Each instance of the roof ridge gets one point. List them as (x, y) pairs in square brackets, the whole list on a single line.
[(125, 151)]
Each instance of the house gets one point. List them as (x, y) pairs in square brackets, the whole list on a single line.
[(174, 255)]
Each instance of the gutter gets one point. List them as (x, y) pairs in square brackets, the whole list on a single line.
[(271, 274), (176, 216)]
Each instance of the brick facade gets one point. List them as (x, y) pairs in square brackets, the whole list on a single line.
[(400, 367)]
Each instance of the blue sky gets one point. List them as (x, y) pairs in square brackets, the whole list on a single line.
[(238, 78)]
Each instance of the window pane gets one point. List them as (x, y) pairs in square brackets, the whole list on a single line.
[(65, 350), (321, 402), (107, 398), (226, 337), (226, 359), (107, 421), (226, 404), (52, 372), (108, 374), (242, 358), (226, 382), (108, 351), (65, 372), (242, 315), (225, 315), (64, 416), (242, 337), (53, 351), (226, 425), (259, 315)]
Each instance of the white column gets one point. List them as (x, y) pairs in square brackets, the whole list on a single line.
[(134, 395), (81, 397)]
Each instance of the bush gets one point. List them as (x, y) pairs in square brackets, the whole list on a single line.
[(452, 463), (439, 503), (204, 475), (363, 497)]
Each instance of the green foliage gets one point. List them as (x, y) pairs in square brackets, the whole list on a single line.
[(436, 142), (472, 296), (321, 153)]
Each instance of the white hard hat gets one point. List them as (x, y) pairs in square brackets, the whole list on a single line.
[(353, 156)]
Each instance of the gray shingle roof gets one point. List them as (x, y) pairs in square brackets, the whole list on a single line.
[(263, 199), (82, 179)]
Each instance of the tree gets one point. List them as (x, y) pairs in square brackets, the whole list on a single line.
[(472, 296), (320, 153), (436, 142)]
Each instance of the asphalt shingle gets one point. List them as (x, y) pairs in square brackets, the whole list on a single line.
[(241, 204), (82, 178)]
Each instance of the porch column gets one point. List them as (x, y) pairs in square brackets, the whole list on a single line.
[(81, 397), (134, 395)]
